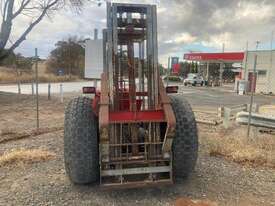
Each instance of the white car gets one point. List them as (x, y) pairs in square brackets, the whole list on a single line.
[(193, 79)]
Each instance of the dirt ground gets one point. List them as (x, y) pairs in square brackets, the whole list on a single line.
[(216, 180)]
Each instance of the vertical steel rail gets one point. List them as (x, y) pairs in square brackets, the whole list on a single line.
[(116, 129), (155, 55), (105, 34), (149, 53), (115, 59), (110, 65), (155, 73), (110, 50)]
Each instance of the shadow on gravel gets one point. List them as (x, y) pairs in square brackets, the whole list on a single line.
[(171, 192)]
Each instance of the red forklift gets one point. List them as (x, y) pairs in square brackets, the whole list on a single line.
[(131, 133)]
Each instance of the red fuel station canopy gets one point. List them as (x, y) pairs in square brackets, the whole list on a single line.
[(215, 57)]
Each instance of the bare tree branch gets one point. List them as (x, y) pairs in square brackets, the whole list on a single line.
[(23, 5), (28, 30), (36, 9), (5, 9), (6, 23)]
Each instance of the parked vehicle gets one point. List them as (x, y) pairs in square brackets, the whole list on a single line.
[(193, 79), (173, 78)]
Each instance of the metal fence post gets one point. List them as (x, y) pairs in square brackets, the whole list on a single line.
[(49, 91), (61, 93), (32, 86), (36, 80), (19, 87), (18, 80)]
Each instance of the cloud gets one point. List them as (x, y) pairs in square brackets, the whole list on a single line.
[(182, 24), (182, 38)]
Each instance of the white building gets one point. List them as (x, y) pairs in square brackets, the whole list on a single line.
[(265, 70)]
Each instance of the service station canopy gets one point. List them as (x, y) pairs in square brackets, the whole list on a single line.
[(228, 57)]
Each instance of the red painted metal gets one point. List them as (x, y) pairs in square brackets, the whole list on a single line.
[(89, 90), (124, 104), (133, 117), (138, 94), (227, 56)]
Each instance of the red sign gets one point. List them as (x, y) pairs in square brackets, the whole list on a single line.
[(228, 56), (176, 69)]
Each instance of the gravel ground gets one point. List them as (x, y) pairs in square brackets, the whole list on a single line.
[(45, 183)]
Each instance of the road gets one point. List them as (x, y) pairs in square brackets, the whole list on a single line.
[(45, 182), (197, 96), (43, 87), (216, 97)]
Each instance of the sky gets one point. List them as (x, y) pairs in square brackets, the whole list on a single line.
[(183, 26)]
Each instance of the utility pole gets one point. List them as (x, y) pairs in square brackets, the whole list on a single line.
[(168, 71), (252, 90), (245, 65), (221, 67)]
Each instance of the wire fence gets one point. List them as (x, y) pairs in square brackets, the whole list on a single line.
[(225, 89)]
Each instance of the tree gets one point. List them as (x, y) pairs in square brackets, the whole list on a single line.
[(36, 10), (23, 63), (18, 61), (184, 69), (161, 69), (68, 56)]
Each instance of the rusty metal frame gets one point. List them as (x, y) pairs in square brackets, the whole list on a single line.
[(170, 118), (122, 153)]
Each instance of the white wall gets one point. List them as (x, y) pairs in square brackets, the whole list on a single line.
[(265, 64), (94, 58)]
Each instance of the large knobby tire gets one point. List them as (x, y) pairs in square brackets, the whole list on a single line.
[(81, 142), (185, 143)]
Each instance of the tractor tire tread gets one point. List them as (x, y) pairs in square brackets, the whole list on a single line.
[(185, 143), (81, 142)]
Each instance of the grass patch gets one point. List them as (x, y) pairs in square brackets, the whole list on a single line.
[(25, 156), (10, 77), (259, 150), (11, 134)]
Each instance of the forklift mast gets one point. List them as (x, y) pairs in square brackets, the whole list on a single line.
[(132, 53), (136, 121)]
